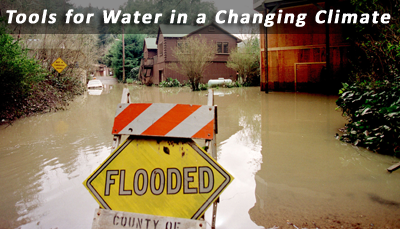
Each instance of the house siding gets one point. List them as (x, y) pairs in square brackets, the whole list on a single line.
[(145, 51), (161, 45), (296, 61), (149, 53), (165, 58), (152, 53)]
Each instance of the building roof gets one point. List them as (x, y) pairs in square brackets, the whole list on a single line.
[(259, 5), (150, 43), (185, 30), (177, 30)]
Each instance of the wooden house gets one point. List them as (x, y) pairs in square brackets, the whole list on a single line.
[(157, 52), (149, 58), (311, 58), (100, 70)]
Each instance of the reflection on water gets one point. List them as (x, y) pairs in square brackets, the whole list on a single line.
[(311, 179), (239, 152), (280, 147), (45, 158), (95, 91)]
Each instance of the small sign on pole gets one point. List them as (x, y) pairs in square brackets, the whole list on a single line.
[(59, 65)]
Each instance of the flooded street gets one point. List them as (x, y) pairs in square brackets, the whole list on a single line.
[(290, 171)]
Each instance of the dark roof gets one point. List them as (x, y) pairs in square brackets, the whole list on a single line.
[(185, 30), (260, 4), (177, 30)]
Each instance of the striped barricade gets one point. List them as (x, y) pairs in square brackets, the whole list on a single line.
[(165, 120)]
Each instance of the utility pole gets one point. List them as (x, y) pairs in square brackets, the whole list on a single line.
[(123, 55), (266, 52)]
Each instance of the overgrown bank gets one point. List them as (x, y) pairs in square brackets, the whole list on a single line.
[(26, 87), (371, 98)]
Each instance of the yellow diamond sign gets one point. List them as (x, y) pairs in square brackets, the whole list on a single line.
[(163, 177), (59, 65)]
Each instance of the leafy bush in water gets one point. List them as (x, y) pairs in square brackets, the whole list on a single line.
[(203, 86), (236, 84), (186, 84), (373, 110), (371, 100), (170, 83)]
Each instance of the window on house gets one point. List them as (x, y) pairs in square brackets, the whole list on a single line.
[(183, 46), (222, 47), (180, 44), (225, 47)]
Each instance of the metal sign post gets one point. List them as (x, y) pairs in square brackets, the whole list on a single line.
[(213, 149), (126, 98)]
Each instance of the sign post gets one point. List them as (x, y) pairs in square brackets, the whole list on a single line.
[(212, 149)]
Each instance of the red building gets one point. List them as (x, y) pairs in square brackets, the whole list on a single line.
[(157, 52), (312, 58)]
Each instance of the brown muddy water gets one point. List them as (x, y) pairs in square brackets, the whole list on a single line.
[(290, 171)]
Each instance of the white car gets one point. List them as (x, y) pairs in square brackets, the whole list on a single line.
[(94, 84)]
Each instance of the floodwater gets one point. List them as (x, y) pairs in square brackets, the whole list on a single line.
[(290, 171)]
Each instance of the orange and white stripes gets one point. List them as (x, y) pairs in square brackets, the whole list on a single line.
[(163, 119)]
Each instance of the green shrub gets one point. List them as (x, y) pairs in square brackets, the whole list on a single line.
[(129, 80), (371, 99), (186, 84), (373, 110), (18, 73), (53, 93), (133, 73), (170, 83), (236, 84), (203, 86), (231, 85)]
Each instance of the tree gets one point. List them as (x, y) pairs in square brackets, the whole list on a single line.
[(133, 54), (376, 47), (193, 55), (246, 59)]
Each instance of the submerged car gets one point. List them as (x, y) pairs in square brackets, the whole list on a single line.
[(94, 84)]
